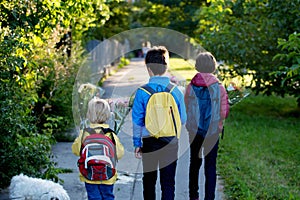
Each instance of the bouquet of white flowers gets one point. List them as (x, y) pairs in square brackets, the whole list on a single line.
[(120, 107), (86, 92), (236, 93)]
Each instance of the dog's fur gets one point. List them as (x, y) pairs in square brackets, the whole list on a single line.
[(23, 187)]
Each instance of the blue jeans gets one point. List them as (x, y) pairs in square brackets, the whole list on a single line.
[(162, 155), (210, 149), (99, 191)]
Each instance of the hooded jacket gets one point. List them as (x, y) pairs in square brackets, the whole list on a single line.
[(205, 80)]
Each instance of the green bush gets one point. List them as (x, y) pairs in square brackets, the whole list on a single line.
[(54, 90), (22, 150), (37, 78), (123, 62), (36, 105)]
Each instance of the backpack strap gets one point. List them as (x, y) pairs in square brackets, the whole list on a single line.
[(88, 130), (102, 131), (149, 90), (109, 130), (216, 84), (170, 88), (112, 133)]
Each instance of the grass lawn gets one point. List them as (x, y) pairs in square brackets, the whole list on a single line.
[(182, 69), (259, 157)]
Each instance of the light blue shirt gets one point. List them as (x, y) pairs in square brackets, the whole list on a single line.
[(158, 83)]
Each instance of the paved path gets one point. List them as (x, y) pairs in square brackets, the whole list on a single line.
[(129, 186)]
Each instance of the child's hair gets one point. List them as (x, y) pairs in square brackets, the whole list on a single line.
[(98, 111), (157, 59), (205, 63)]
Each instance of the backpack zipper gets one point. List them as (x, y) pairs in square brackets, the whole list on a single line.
[(174, 121)]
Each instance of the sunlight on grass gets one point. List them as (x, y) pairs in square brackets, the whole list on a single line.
[(186, 70), (182, 69)]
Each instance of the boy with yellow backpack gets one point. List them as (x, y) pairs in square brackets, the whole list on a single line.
[(158, 112)]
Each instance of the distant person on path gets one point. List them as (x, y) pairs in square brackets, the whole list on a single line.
[(157, 151), (99, 186), (207, 106), (145, 48)]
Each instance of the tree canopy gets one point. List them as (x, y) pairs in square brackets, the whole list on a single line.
[(245, 34)]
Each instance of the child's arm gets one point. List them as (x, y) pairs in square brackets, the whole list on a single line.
[(182, 110), (224, 103), (138, 117), (186, 94), (137, 135), (119, 146), (180, 100), (77, 145), (137, 140)]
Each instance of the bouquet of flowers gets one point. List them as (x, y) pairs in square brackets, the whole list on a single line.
[(236, 93), (120, 107), (86, 92)]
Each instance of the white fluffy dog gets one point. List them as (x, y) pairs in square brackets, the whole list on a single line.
[(23, 187)]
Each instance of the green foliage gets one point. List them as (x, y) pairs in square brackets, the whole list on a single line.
[(37, 77), (182, 12), (54, 90), (123, 62), (22, 148), (244, 35), (289, 71), (176, 15), (147, 14), (119, 20), (259, 157)]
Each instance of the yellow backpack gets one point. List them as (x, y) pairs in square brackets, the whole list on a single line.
[(162, 116)]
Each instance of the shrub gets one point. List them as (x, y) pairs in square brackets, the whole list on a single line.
[(22, 150)]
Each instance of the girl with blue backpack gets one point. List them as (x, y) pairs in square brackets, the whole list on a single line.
[(207, 106)]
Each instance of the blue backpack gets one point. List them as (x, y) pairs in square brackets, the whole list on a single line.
[(203, 110)]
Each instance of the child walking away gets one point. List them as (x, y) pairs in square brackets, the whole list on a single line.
[(157, 114), (207, 106), (99, 149)]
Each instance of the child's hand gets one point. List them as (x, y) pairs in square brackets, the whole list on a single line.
[(138, 152)]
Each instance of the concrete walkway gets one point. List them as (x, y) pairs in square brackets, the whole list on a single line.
[(129, 184)]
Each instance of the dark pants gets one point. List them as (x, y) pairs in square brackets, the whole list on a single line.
[(160, 155), (210, 150)]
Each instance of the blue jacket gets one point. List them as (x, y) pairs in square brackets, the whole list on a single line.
[(140, 103)]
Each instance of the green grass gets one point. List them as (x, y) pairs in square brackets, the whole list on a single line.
[(182, 68), (259, 157)]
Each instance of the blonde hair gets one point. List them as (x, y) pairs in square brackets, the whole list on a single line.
[(98, 110), (206, 63)]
